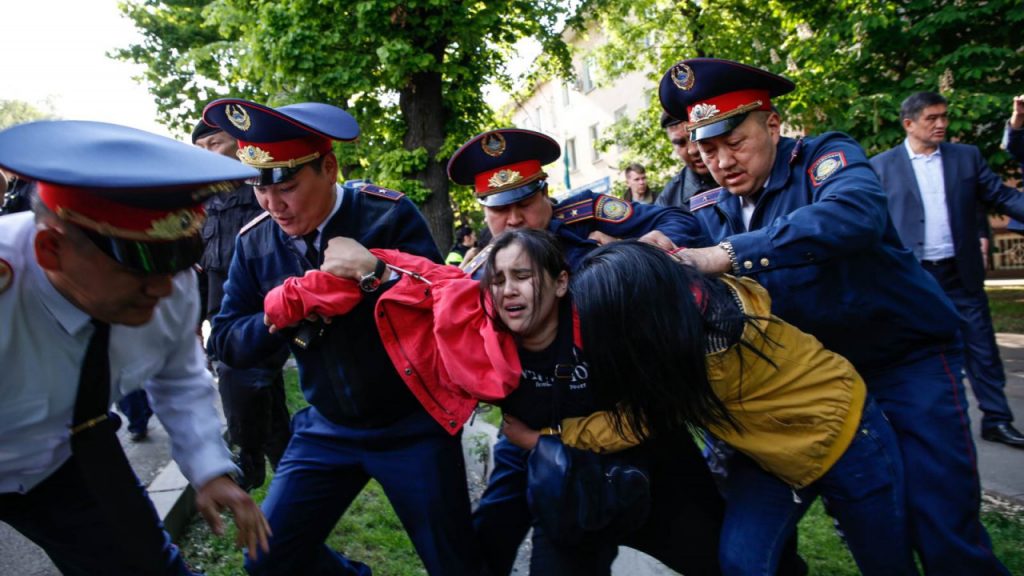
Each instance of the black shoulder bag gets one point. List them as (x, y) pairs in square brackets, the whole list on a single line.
[(573, 492)]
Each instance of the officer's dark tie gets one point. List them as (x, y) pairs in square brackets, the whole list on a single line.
[(104, 467), (312, 254)]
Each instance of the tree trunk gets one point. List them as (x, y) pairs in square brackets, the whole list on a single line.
[(423, 109)]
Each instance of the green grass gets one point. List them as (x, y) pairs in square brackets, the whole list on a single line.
[(1007, 306), (490, 414), (370, 531)]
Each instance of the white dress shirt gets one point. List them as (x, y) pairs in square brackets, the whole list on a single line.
[(42, 345), (938, 239)]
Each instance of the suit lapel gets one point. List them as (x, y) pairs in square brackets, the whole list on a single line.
[(905, 173)]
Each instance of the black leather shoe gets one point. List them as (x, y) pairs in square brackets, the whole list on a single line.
[(1004, 433)]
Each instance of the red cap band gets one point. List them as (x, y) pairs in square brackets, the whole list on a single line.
[(286, 153), (84, 208), (507, 177), (725, 103)]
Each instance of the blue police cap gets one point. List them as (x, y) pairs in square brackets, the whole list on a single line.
[(202, 130), (716, 95), (137, 195), (279, 141), (503, 166)]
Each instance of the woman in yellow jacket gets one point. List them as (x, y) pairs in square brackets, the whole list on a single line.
[(676, 349)]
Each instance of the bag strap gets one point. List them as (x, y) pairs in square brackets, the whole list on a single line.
[(565, 364)]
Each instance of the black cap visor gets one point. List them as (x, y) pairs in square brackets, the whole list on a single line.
[(270, 176), (506, 197), (150, 257), (723, 126)]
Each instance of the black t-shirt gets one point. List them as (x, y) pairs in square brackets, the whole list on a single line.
[(557, 372)]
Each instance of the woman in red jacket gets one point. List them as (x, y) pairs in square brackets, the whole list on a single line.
[(510, 339)]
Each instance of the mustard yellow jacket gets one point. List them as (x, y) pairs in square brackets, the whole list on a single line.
[(797, 413)]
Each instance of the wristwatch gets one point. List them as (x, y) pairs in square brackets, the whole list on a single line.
[(371, 281), (727, 246)]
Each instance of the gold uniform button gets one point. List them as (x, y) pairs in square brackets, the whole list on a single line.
[(764, 262), (748, 264)]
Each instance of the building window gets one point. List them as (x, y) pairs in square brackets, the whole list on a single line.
[(619, 115), (570, 154), (565, 93), (540, 125), (585, 76), (595, 135)]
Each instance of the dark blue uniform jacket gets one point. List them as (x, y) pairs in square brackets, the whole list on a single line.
[(822, 243), (577, 216), (574, 218), (345, 373)]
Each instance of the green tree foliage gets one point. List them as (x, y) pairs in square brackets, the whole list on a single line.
[(18, 112), (853, 61), (412, 72)]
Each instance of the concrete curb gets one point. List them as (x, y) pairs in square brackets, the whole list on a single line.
[(174, 499)]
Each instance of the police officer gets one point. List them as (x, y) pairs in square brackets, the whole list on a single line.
[(98, 297), (363, 421), (808, 219), (253, 399), (505, 169)]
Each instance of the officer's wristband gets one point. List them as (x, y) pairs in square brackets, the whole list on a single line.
[(727, 246)]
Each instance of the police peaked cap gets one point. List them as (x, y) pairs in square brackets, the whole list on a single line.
[(715, 96), (279, 141), (136, 194), (503, 166)]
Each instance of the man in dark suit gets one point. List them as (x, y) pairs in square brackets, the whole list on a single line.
[(936, 190)]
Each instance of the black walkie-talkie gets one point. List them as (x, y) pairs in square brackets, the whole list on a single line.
[(307, 332)]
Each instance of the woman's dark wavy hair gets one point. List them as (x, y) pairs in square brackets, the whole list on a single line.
[(644, 336), (544, 252)]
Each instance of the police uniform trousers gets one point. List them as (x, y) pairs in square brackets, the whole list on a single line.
[(256, 411), (863, 490), (63, 518), (682, 531), (135, 407), (939, 462), (420, 467), (981, 353)]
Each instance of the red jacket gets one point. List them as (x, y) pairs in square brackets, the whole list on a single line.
[(432, 324)]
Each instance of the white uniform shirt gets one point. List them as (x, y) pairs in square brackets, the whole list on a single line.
[(938, 238), (42, 344)]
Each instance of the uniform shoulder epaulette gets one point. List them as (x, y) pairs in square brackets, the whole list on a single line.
[(386, 193), (252, 223), (478, 260), (797, 149), (704, 199), (576, 211)]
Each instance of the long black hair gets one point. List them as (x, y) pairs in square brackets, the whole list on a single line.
[(644, 333), (545, 255)]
